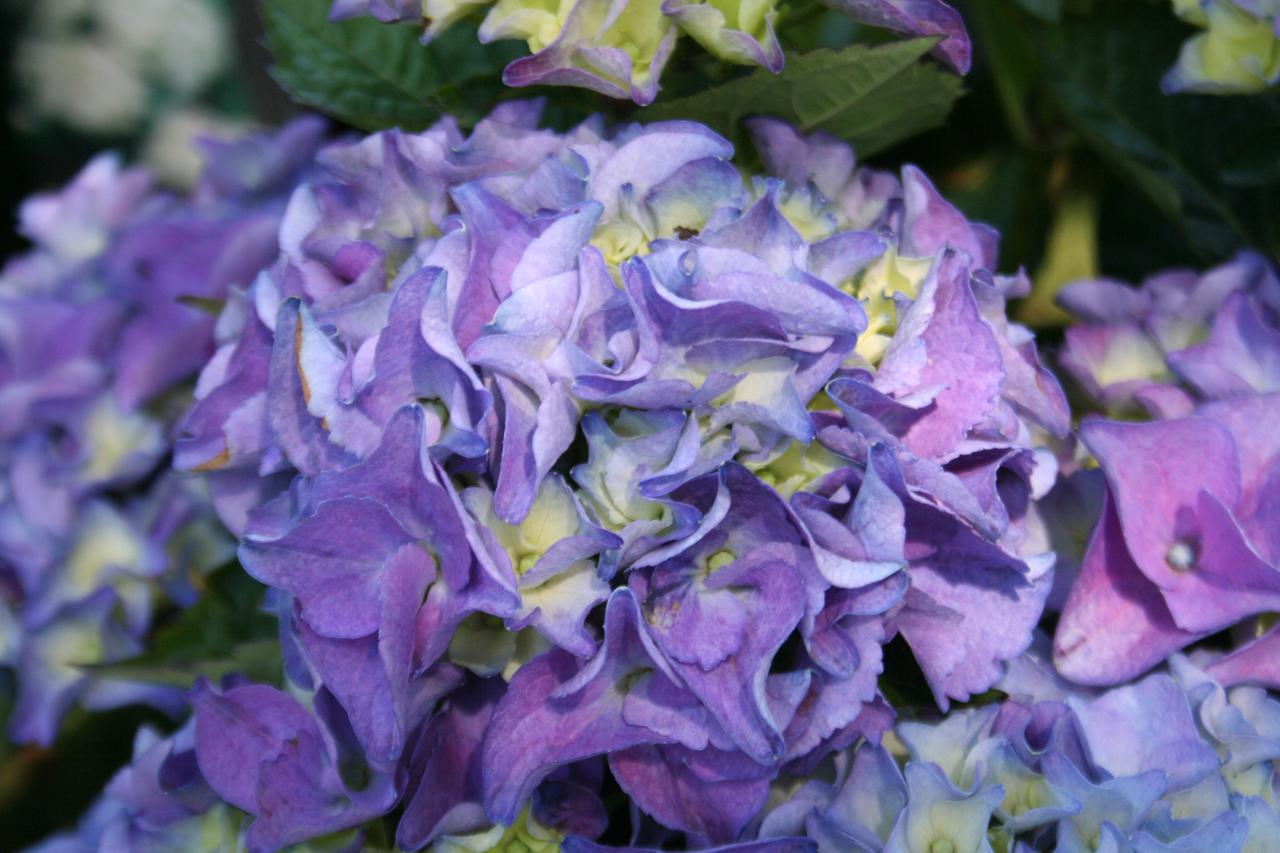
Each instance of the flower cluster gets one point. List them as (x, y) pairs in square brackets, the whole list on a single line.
[(1238, 52), (570, 451), (619, 47), (98, 331), (1187, 544), (1173, 762), (584, 469)]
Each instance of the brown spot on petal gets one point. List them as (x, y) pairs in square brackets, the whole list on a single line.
[(219, 461), (297, 360), (686, 233)]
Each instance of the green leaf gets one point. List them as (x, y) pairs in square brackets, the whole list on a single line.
[(257, 660), (873, 97), (1195, 157), (374, 75), (1045, 10), (225, 632), (212, 307)]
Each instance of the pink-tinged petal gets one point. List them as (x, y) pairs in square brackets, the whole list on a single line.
[(797, 159), (842, 255), (955, 352), (970, 606), (1105, 301), (1164, 402), (958, 638), (1241, 357), (76, 222), (1115, 624), (1227, 580), (1156, 472), (1114, 362), (706, 24), (1256, 662), (1028, 384), (931, 224), (1251, 423), (386, 11), (554, 66)]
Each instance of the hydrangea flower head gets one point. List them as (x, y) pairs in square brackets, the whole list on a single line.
[(620, 47), (1177, 555), (97, 328), (574, 453), (582, 467)]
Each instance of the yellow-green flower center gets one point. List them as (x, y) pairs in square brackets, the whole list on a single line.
[(797, 468), (719, 560), (889, 275)]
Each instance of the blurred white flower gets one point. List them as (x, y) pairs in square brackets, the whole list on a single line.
[(83, 83), (97, 65), (182, 43)]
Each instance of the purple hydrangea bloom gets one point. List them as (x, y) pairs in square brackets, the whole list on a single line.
[(581, 451), (264, 753), (1186, 545), (581, 464), (158, 802), (1156, 765), (100, 325), (1178, 338)]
